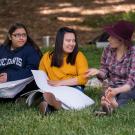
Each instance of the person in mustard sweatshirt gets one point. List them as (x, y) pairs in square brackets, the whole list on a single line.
[(65, 66)]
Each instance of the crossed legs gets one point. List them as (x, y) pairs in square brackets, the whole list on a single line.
[(49, 103), (108, 104), (121, 99)]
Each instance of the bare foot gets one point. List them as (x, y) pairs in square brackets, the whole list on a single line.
[(104, 100), (43, 107), (51, 100), (106, 106), (112, 100)]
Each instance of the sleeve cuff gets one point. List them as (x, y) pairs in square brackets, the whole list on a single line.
[(101, 75), (131, 84), (82, 80)]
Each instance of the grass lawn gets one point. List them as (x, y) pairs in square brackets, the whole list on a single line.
[(18, 119)]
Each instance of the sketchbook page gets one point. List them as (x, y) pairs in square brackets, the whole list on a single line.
[(8, 84), (12, 83), (41, 79), (10, 89), (69, 96)]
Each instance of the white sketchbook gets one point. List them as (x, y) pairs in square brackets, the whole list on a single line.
[(70, 97), (12, 88)]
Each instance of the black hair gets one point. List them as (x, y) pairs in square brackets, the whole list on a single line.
[(30, 41), (57, 53)]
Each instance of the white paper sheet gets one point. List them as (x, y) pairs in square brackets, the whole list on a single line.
[(10, 89), (69, 96)]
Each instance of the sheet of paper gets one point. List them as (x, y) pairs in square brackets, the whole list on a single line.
[(69, 96), (10, 89)]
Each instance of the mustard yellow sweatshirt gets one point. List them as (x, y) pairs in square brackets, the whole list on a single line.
[(66, 71)]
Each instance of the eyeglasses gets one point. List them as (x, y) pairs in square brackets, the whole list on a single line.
[(18, 35)]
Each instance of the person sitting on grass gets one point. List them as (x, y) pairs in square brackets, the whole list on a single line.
[(117, 66), (19, 54), (65, 66)]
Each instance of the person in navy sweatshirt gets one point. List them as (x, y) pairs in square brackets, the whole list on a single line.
[(19, 54)]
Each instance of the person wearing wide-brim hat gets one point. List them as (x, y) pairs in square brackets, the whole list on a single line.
[(117, 66)]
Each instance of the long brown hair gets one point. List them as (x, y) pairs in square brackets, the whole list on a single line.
[(57, 53)]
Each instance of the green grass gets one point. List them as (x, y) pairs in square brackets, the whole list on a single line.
[(18, 119)]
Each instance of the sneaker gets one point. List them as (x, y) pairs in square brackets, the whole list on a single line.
[(37, 99)]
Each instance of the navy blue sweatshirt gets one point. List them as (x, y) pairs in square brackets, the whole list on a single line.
[(18, 63)]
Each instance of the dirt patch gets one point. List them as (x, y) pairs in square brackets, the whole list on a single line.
[(45, 17)]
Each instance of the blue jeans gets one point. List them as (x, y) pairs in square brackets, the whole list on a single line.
[(80, 88), (123, 98)]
